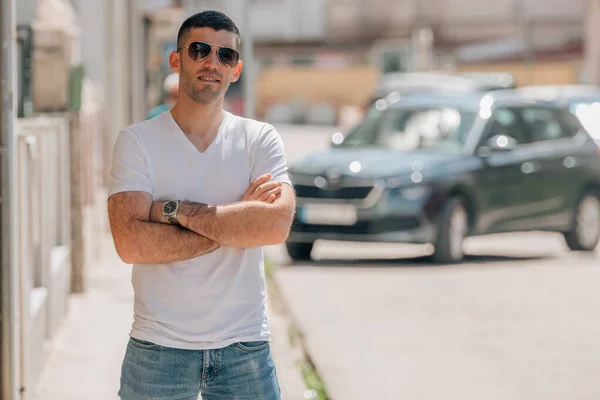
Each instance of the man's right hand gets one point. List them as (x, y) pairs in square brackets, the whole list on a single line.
[(262, 190)]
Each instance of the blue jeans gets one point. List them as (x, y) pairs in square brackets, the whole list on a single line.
[(240, 371)]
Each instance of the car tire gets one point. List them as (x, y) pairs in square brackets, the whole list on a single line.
[(299, 251), (452, 228), (585, 227)]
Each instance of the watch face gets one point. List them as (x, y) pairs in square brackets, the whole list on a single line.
[(169, 207)]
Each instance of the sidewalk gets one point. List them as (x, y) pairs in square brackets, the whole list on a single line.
[(85, 359)]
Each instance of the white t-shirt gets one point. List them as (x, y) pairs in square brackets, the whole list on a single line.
[(218, 298)]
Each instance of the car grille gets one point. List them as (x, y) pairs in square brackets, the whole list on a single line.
[(343, 193), (391, 224)]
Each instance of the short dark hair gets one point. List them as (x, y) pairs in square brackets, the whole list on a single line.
[(208, 19)]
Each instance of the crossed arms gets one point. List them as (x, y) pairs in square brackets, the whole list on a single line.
[(262, 217)]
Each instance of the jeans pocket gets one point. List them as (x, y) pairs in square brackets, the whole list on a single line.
[(252, 346), (142, 344)]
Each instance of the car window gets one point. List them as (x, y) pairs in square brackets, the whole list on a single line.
[(569, 122), (506, 121), (541, 124)]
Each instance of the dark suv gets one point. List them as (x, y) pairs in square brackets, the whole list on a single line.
[(436, 168)]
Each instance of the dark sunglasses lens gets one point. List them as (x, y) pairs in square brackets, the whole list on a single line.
[(228, 57), (198, 51)]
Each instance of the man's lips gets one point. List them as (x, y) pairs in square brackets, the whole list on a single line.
[(209, 79)]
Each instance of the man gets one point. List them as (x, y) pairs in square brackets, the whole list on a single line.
[(195, 194), (170, 91)]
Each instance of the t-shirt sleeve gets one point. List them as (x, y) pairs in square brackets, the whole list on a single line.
[(269, 156), (129, 167)]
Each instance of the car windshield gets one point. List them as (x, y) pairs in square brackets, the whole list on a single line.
[(405, 129)]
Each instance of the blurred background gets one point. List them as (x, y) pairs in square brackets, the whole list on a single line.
[(74, 72)]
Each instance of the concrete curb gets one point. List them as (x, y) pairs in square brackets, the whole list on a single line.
[(294, 353), (284, 354)]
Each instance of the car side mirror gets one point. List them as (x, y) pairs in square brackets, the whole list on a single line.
[(497, 144)]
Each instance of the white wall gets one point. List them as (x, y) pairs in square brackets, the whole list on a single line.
[(288, 19), (461, 10), (26, 10), (150, 4), (364, 18), (460, 19), (271, 19), (91, 18)]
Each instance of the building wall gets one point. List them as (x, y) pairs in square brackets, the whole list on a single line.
[(363, 19), (453, 11), (271, 19), (91, 15), (288, 19), (592, 51), (543, 73), (45, 157), (456, 20), (277, 85), (26, 10)]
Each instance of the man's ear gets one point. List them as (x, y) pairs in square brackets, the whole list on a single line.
[(175, 61), (237, 71)]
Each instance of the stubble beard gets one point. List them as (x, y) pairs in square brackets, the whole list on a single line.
[(203, 95)]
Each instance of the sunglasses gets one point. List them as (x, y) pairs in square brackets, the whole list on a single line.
[(198, 51)]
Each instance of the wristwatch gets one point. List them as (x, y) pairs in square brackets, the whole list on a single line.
[(170, 210)]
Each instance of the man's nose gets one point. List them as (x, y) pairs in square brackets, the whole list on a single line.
[(212, 61)]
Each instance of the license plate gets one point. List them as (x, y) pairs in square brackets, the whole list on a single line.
[(329, 214)]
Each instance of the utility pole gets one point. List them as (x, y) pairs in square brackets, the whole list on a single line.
[(9, 292), (137, 72), (526, 25)]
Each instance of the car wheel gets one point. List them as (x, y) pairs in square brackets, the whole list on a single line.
[(299, 251), (585, 229), (453, 226)]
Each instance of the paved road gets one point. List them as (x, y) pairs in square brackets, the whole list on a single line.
[(519, 320)]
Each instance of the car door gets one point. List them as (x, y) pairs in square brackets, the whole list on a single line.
[(503, 203), (553, 164), (582, 157)]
